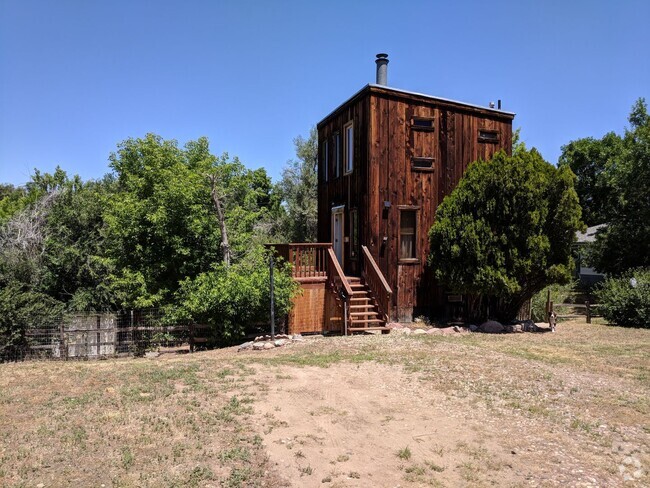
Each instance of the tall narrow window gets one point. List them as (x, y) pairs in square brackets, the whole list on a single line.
[(326, 160), (337, 155), (354, 233), (407, 235), (348, 130)]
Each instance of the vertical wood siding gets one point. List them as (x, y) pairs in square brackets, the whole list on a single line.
[(384, 147)]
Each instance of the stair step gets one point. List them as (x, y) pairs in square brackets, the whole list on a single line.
[(363, 314), (367, 306), (361, 329), (359, 292), (368, 321), (357, 285)]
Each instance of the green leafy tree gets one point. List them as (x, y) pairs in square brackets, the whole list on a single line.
[(74, 258), (591, 160), (162, 223), (160, 226), (299, 188), (506, 231), (625, 243)]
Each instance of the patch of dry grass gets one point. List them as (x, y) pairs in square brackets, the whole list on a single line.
[(186, 421), (128, 423)]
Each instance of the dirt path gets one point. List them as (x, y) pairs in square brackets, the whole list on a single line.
[(372, 424)]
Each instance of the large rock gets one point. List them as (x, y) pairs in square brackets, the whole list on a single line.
[(492, 327), (245, 345), (419, 332)]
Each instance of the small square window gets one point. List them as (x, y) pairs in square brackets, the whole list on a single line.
[(348, 154), (422, 164), (491, 136), (422, 123)]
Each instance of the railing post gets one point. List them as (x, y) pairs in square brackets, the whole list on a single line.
[(190, 329), (588, 311)]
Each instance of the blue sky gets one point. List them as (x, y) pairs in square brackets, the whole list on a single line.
[(78, 77)]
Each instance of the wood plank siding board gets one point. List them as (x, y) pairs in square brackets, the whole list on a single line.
[(385, 144)]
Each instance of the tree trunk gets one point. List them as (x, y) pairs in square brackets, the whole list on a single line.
[(218, 206)]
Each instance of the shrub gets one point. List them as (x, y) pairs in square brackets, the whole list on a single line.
[(505, 232), (20, 310), (231, 297), (623, 304)]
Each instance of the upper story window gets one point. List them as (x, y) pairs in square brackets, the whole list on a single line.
[(423, 143), (491, 136), (337, 155), (422, 123), (326, 160), (348, 155)]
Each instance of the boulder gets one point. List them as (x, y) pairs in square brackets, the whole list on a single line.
[(419, 332), (473, 327), (258, 346), (268, 345), (492, 327), (245, 345)]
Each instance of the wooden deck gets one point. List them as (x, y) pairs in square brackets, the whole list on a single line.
[(332, 301)]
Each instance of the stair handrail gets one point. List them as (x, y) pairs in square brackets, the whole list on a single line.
[(376, 282), (338, 281)]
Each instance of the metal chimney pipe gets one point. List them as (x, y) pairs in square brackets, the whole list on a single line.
[(382, 69)]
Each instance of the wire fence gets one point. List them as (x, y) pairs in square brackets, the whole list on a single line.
[(99, 335)]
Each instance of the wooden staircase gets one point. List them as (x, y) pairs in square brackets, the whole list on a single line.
[(364, 310)]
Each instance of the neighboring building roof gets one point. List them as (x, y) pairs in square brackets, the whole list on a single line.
[(590, 234), (371, 87)]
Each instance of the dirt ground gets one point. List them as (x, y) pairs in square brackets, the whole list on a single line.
[(564, 409)]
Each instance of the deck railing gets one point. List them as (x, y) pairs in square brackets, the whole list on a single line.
[(376, 282), (308, 260), (338, 283)]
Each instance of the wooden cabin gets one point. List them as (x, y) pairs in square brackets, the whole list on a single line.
[(387, 158)]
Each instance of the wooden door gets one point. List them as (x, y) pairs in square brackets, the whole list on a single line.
[(337, 233)]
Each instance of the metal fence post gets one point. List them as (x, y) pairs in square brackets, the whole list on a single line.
[(63, 348), (588, 311), (272, 297)]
